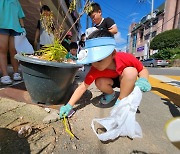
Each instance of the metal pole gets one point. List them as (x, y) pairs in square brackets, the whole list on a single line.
[(87, 22), (151, 24), (87, 18)]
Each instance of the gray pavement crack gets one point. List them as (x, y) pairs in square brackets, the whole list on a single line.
[(12, 109)]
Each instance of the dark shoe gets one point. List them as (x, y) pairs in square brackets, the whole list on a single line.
[(77, 77)]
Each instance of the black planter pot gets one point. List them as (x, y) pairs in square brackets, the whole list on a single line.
[(47, 82)]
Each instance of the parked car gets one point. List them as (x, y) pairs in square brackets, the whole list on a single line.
[(162, 63), (155, 62)]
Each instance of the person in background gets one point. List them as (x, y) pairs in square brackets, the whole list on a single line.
[(72, 54), (100, 22), (67, 41), (11, 24), (109, 70), (81, 47), (82, 42), (41, 35)]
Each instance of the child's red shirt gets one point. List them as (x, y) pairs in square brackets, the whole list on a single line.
[(122, 61)]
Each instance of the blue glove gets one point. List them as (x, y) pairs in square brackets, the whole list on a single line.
[(64, 110), (143, 84)]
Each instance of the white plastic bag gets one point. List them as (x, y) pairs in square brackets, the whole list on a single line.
[(22, 44), (122, 121), (89, 31)]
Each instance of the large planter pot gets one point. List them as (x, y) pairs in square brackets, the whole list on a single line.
[(47, 82)]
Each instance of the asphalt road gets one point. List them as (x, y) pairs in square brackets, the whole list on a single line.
[(164, 70)]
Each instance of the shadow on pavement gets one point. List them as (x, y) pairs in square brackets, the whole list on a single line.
[(172, 96), (85, 100), (138, 152), (16, 92), (11, 143), (176, 83), (172, 108)]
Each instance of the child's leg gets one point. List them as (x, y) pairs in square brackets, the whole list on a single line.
[(127, 81), (104, 85)]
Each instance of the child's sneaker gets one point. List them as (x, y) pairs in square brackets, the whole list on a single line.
[(17, 77), (6, 80), (106, 99)]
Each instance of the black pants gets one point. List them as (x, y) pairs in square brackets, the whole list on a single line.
[(116, 82)]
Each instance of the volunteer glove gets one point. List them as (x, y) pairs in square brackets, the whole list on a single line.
[(143, 84), (64, 110)]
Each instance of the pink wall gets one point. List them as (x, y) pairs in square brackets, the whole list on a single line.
[(177, 15), (170, 11)]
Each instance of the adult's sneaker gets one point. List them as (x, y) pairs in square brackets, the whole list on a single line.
[(17, 77), (6, 80)]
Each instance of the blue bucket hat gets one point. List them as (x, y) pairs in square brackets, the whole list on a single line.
[(96, 49)]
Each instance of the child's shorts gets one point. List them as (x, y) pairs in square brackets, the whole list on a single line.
[(116, 82), (9, 32)]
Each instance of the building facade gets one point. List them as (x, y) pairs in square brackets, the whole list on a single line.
[(165, 17)]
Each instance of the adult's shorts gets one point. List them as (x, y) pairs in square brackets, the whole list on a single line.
[(9, 32)]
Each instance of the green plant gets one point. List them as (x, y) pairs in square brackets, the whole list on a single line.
[(53, 52), (168, 54), (167, 39), (175, 53)]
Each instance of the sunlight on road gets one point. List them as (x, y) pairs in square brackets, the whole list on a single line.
[(165, 90), (174, 77)]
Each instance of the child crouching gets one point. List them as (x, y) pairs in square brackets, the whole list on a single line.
[(109, 69)]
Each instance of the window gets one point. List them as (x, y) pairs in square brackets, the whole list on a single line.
[(147, 25), (146, 37), (148, 59), (154, 33), (134, 40), (141, 33), (155, 21)]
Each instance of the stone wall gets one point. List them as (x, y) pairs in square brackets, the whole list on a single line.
[(176, 63)]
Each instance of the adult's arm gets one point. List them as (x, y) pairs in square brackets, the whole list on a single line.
[(21, 22), (113, 29), (37, 35), (111, 25)]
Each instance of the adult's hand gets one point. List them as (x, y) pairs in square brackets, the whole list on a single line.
[(24, 30)]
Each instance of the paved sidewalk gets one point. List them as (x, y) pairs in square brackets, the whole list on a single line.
[(52, 138)]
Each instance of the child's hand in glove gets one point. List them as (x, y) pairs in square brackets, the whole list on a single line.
[(64, 110), (143, 84)]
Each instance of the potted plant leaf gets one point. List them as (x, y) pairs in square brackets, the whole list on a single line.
[(47, 75)]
